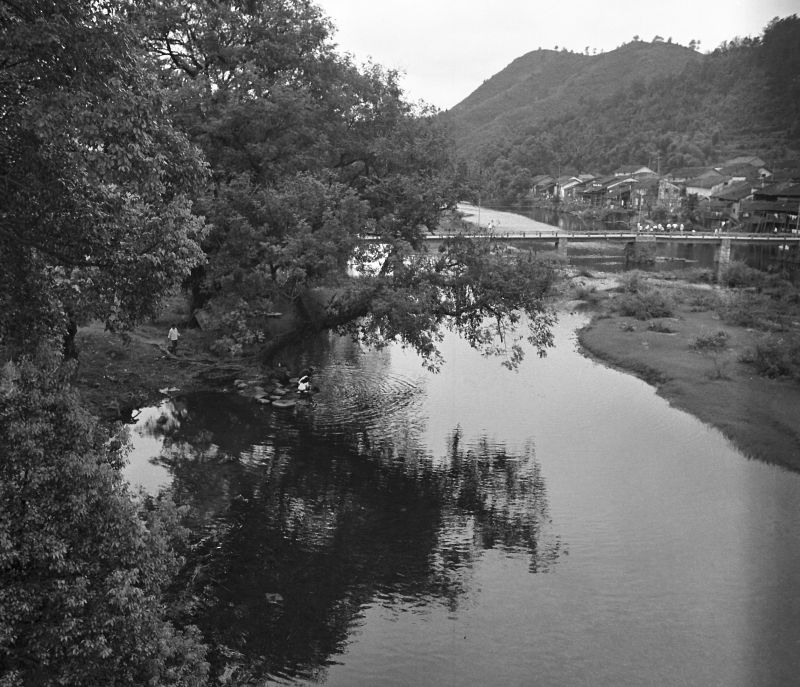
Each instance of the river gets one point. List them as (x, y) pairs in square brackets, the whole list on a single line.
[(557, 525)]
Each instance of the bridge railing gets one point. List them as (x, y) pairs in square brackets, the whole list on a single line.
[(611, 235)]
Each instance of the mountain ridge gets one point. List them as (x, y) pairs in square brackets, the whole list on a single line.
[(643, 103), (544, 83)]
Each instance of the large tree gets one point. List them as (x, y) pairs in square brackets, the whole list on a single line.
[(95, 211), (309, 155)]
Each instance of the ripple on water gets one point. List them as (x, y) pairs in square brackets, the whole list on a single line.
[(357, 398)]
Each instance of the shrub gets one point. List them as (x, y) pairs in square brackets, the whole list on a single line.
[(700, 300), (711, 343), (776, 356), (632, 282), (740, 275), (646, 304), (660, 328), (751, 310)]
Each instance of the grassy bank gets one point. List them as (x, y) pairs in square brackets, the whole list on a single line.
[(728, 355), (119, 373)]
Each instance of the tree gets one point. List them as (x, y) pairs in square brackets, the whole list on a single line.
[(84, 570), (310, 155), (780, 56), (95, 215)]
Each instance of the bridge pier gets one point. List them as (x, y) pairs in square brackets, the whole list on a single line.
[(562, 243), (723, 257), (641, 251)]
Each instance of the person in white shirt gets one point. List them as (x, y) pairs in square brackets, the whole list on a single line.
[(173, 339)]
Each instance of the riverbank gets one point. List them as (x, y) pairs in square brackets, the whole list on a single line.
[(118, 374), (697, 358)]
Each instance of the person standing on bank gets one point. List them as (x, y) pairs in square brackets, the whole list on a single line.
[(173, 339)]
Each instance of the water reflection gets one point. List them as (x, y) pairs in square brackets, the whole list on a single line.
[(326, 552), (303, 522)]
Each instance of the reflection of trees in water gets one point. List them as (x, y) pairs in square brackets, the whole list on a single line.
[(299, 532), (506, 497)]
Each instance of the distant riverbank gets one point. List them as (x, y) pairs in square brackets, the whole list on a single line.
[(501, 221), (699, 362)]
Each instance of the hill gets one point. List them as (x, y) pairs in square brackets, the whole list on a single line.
[(657, 104), (547, 83)]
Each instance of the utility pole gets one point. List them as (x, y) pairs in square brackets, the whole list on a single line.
[(797, 226)]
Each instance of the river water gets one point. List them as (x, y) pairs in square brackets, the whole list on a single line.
[(556, 525)]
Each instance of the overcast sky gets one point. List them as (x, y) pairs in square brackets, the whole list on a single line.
[(447, 48)]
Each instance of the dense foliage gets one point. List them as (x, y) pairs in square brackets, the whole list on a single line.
[(83, 568), (309, 154), (740, 99), (96, 216)]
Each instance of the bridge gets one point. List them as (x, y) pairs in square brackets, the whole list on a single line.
[(557, 236), (561, 239)]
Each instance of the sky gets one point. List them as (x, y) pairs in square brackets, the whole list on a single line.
[(447, 48)]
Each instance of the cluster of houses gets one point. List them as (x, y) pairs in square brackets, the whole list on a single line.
[(741, 194)]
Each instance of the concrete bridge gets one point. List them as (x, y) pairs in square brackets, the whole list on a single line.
[(561, 239), (558, 236)]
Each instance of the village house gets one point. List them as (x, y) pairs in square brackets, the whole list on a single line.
[(730, 197), (567, 186), (543, 186), (703, 186), (634, 171), (739, 191), (775, 207), (752, 161), (742, 172), (593, 192), (669, 195), (684, 174)]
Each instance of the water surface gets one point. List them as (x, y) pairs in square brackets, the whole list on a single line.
[(558, 525)]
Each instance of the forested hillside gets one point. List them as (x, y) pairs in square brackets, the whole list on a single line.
[(656, 104)]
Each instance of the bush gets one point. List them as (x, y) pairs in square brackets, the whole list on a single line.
[(632, 282), (660, 328), (646, 304), (699, 300), (776, 356), (712, 343), (744, 309), (739, 275)]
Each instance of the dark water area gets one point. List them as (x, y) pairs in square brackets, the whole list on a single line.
[(558, 525)]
